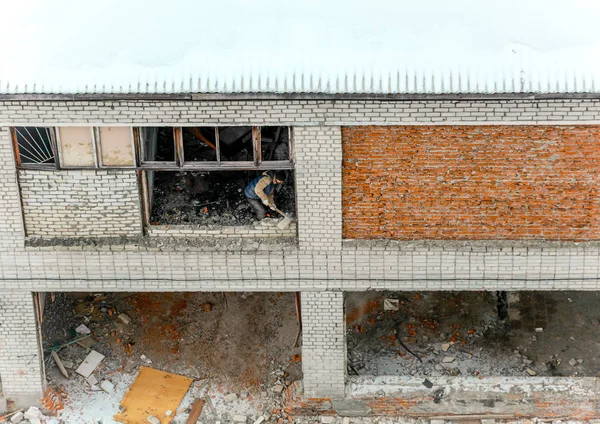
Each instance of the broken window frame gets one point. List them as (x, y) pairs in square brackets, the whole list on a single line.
[(178, 163), (95, 151), (218, 164), (153, 164), (40, 166)]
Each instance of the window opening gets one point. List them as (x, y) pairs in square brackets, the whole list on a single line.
[(34, 145), (274, 143), (210, 197), (158, 144), (200, 144), (236, 144)]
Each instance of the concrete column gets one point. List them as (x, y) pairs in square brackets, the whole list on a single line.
[(21, 363), (319, 187), (323, 344)]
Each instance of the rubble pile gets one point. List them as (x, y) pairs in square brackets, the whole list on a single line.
[(410, 337)]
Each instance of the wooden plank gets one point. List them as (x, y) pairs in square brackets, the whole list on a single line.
[(178, 135), (153, 392), (60, 365), (196, 133), (13, 134), (196, 411), (256, 145)]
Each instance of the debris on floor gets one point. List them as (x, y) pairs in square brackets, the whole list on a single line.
[(211, 198), (467, 334), (241, 346)]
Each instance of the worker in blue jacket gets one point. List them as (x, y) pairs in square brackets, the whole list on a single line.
[(260, 192)]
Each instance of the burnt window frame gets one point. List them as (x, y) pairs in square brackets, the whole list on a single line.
[(40, 166), (217, 165), (178, 164)]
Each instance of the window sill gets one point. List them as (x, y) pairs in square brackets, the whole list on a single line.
[(162, 244)]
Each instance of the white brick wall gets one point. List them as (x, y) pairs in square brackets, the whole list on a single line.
[(11, 222), (300, 112), (323, 344), (319, 187), (322, 266), (20, 358), (80, 203), (264, 228)]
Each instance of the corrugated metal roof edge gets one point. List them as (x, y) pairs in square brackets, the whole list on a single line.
[(294, 96)]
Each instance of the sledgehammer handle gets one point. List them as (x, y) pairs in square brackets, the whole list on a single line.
[(279, 212)]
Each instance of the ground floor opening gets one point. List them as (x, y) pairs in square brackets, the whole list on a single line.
[(473, 334), (237, 348)]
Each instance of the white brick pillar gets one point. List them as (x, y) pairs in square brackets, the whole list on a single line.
[(319, 187), (323, 344), (11, 221), (21, 369)]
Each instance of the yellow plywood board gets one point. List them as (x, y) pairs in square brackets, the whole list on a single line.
[(153, 392)]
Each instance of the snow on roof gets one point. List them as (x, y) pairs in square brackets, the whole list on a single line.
[(308, 46)]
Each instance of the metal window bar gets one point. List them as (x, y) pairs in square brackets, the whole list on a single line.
[(35, 146)]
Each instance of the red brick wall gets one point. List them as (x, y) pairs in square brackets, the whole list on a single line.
[(471, 182)]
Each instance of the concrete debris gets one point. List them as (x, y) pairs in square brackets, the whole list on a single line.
[(278, 388), (488, 421), (68, 363), (125, 318), (445, 347), (531, 372), (146, 359), (153, 420), (90, 363), (92, 380), (436, 422), (350, 408), (231, 397), (391, 304), (346, 420), (259, 420), (539, 329), (168, 413), (35, 421), (83, 330), (572, 362), (327, 419), (33, 412), (107, 386), (17, 418), (242, 419), (86, 342), (448, 359)]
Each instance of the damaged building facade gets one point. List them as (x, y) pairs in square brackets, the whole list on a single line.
[(481, 190), (390, 195)]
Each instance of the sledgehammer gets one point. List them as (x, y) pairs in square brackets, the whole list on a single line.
[(286, 222)]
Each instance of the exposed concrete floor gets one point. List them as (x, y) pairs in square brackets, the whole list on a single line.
[(481, 344)]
